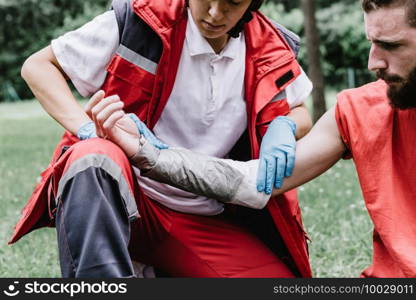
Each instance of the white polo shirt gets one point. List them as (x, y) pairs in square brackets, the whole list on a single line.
[(206, 111)]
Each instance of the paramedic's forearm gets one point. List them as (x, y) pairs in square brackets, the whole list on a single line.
[(302, 118), (47, 81)]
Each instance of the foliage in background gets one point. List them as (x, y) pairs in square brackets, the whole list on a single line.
[(344, 46), (291, 4), (29, 25), (26, 26)]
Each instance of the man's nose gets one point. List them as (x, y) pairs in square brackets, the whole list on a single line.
[(376, 59), (216, 10)]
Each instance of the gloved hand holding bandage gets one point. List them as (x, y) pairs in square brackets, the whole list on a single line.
[(222, 179), (87, 131), (101, 108), (148, 135), (277, 154)]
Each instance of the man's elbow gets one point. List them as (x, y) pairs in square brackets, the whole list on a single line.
[(305, 127)]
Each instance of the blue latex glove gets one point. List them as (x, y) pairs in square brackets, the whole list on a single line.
[(149, 136), (87, 131), (277, 154)]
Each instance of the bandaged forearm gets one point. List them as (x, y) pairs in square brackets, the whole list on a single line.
[(225, 180)]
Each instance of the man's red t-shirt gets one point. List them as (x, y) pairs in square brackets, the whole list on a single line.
[(382, 142)]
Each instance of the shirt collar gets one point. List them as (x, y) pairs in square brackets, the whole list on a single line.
[(198, 45)]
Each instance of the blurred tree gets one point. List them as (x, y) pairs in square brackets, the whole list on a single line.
[(27, 26), (314, 59), (291, 4), (344, 46)]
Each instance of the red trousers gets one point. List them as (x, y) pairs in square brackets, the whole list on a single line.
[(186, 245)]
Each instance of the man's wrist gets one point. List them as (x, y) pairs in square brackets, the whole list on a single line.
[(146, 155)]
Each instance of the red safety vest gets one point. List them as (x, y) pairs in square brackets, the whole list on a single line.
[(149, 75)]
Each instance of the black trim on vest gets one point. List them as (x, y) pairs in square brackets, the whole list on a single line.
[(134, 33), (285, 78)]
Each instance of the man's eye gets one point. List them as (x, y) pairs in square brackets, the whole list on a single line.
[(388, 46)]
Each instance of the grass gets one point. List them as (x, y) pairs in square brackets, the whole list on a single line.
[(27, 139), (337, 221), (332, 205)]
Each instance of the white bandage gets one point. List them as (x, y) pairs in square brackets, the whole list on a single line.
[(247, 194), (226, 180)]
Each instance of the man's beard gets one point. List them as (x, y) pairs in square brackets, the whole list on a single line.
[(402, 93)]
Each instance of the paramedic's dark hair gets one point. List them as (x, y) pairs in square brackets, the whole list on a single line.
[(254, 6)]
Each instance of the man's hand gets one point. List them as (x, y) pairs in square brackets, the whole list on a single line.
[(88, 130), (112, 123), (277, 154), (106, 112)]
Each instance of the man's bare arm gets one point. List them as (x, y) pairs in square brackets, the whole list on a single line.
[(222, 179), (302, 119), (320, 149), (233, 181)]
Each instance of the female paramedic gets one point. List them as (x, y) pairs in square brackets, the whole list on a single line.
[(206, 75)]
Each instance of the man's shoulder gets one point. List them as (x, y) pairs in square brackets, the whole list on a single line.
[(366, 96), (363, 109), (362, 114)]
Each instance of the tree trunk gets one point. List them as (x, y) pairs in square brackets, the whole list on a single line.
[(314, 59)]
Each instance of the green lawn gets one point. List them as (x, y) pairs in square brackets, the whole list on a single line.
[(333, 209), (27, 139)]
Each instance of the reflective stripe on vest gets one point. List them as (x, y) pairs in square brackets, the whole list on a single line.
[(137, 59)]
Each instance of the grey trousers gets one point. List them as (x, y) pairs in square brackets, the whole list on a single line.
[(93, 228)]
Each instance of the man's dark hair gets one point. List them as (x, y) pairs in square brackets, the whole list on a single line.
[(370, 5), (255, 5)]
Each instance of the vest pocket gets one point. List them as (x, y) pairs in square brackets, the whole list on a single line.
[(133, 84)]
